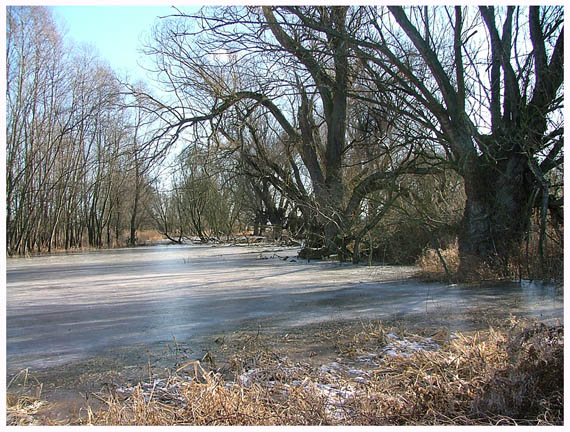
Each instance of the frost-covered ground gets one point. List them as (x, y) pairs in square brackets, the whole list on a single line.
[(72, 307)]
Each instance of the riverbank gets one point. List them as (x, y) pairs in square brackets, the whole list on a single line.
[(335, 373)]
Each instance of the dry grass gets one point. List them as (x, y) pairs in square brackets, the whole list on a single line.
[(148, 236), (23, 400), (486, 378), (526, 265), (507, 375), (530, 265), (144, 237), (432, 268), (22, 410)]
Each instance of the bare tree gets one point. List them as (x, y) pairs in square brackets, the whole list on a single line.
[(247, 62), (487, 85), (65, 131)]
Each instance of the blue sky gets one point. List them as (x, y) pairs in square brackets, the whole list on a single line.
[(115, 31)]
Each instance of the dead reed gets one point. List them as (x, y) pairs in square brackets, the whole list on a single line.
[(525, 264), (511, 374), (23, 404)]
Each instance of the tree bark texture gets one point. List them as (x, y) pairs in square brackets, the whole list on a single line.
[(496, 215)]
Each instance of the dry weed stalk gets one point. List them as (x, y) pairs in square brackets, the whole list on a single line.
[(510, 375), (23, 404)]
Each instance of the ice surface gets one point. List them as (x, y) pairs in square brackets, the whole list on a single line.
[(69, 307)]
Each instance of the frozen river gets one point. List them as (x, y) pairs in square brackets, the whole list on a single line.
[(71, 307)]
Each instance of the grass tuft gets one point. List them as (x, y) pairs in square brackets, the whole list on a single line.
[(506, 375)]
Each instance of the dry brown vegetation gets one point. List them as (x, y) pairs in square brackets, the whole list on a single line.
[(432, 268), (509, 374), (148, 236), (528, 264), (144, 238), (22, 407)]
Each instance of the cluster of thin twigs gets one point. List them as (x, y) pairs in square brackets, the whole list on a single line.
[(444, 264)]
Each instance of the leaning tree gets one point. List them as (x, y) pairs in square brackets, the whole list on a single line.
[(231, 64)]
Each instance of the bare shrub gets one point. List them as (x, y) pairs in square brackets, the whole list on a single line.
[(148, 236), (530, 386)]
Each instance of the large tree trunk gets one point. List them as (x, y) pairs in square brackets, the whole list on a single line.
[(496, 215)]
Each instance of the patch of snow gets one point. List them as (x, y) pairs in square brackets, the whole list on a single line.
[(246, 379), (406, 348), (331, 367), (335, 396), (368, 359)]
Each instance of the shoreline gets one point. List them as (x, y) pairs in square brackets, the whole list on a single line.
[(313, 345)]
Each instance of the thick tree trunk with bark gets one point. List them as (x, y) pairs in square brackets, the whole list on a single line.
[(496, 215), (500, 169)]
